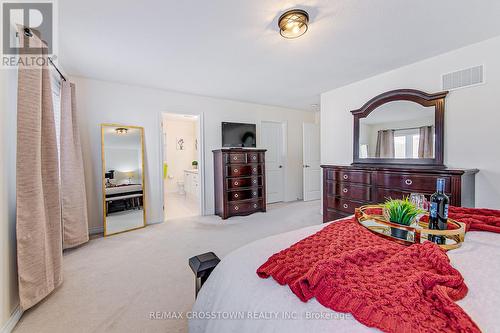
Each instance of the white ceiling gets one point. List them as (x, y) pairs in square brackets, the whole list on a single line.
[(232, 49)]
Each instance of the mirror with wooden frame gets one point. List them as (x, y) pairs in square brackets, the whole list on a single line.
[(403, 126), (123, 191)]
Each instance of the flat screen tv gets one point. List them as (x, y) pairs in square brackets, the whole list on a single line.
[(238, 135)]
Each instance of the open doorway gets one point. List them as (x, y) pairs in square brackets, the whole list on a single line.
[(182, 177)]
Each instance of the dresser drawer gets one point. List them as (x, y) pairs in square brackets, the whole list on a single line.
[(244, 207), (243, 170), (349, 191), (344, 205), (361, 177), (236, 158), (255, 157), (244, 194), (244, 182), (412, 183)]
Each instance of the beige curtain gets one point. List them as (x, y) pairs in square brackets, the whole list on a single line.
[(426, 142), (73, 195), (39, 236), (385, 144)]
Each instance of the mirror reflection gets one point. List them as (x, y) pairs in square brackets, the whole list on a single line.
[(123, 178), (398, 129)]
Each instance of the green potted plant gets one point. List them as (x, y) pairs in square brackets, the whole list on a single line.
[(401, 212), (194, 164)]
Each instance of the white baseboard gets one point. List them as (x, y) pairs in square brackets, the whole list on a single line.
[(96, 230), (11, 323), (155, 222)]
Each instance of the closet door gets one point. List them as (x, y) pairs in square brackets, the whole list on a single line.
[(272, 139)]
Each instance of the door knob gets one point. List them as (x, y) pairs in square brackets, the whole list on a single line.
[(280, 166), (307, 166)]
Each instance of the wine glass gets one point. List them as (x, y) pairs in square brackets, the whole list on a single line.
[(420, 202)]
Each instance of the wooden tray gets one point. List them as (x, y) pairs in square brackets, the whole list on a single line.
[(371, 217)]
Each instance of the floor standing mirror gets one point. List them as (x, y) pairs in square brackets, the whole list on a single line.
[(122, 178)]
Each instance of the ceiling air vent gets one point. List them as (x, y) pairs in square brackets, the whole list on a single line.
[(463, 78)]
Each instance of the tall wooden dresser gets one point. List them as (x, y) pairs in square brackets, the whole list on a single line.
[(347, 187), (239, 181)]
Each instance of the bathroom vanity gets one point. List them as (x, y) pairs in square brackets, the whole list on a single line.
[(191, 183)]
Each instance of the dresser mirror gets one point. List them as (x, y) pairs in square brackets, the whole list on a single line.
[(122, 178), (400, 127)]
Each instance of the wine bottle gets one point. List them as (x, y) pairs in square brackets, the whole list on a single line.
[(438, 212)]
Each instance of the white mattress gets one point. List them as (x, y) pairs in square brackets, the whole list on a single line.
[(123, 189), (234, 289)]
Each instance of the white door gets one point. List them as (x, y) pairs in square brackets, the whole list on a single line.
[(272, 139), (311, 157)]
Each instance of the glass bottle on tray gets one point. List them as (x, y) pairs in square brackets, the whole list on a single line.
[(438, 212)]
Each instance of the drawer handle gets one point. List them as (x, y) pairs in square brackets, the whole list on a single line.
[(235, 158), (236, 195), (345, 190), (346, 177), (235, 170), (254, 205), (236, 183), (254, 157), (255, 181), (408, 182), (254, 193), (254, 169), (345, 206), (236, 207)]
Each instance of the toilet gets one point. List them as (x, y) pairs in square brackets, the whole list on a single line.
[(180, 188)]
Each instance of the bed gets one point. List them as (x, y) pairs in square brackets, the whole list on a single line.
[(123, 197), (262, 305)]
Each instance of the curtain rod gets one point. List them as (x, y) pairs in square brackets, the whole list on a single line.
[(28, 33), (411, 128), (57, 69), (407, 128)]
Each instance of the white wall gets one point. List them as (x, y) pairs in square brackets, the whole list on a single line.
[(106, 102), (471, 118), (8, 266), (179, 160)]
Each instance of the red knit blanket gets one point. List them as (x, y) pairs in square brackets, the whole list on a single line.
[(477, 219), (383, 284)]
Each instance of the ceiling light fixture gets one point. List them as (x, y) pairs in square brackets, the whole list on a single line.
[(121, 130), (293, 23)]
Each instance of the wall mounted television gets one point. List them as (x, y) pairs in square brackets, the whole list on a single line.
[(239, 135)]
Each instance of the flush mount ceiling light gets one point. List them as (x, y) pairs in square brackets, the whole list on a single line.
[(121, 130), (293, 23)]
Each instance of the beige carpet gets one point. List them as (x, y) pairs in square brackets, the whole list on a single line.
[(112, 284)]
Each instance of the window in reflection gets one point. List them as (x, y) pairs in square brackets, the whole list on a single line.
[(399, 129), (400, 146)]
